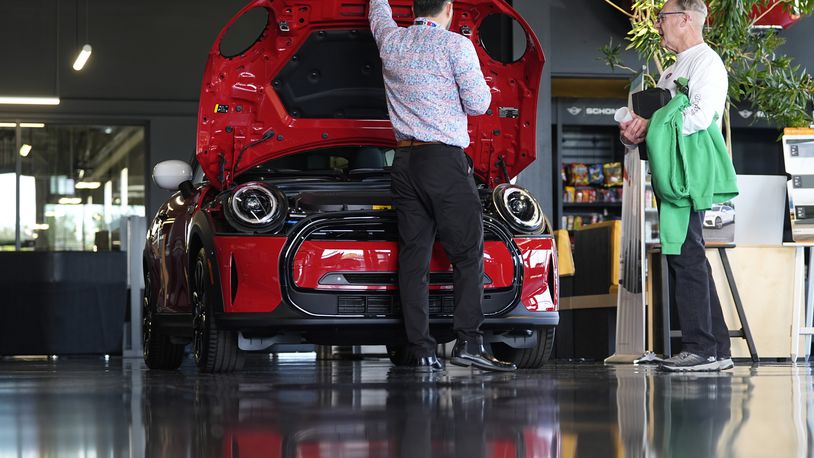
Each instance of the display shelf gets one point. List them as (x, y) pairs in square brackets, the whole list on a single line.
[(591, 205)]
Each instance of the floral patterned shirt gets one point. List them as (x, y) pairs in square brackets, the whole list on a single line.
[(432, 78)]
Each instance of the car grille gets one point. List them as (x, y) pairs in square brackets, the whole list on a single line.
[(385, 278), (371, 278), (389, 305)]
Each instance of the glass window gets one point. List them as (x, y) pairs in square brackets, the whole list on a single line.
[(76, 183), (8, 187)]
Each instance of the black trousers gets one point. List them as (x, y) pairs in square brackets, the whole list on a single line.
[(434, 193), (703, 329)]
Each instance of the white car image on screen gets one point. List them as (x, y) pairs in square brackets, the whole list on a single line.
[(719, 215)]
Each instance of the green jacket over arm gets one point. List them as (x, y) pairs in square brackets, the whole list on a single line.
[(690, 172)]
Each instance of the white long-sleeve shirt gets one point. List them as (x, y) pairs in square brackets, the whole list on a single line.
[(709, 84)]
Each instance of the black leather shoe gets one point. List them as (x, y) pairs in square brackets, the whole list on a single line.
[(426, 364), (471, 352)]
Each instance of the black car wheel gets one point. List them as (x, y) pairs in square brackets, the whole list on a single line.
[(528, 358), (159, 351), (718, 223), (214, 349)]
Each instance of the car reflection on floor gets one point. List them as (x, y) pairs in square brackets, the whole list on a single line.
[(285, 407), (338, 411)]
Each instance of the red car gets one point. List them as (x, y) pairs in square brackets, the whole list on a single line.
[(281, 230)]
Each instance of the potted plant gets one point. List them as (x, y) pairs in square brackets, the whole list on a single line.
[(746, 34)]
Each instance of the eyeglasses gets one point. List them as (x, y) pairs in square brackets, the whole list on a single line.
[(660, 16)]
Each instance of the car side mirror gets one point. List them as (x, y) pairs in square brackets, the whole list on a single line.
[(170, 175)]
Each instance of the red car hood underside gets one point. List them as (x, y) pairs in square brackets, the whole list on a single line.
[(243, 98)]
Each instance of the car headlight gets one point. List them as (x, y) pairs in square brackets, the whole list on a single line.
[(518, 208), (255, 207)]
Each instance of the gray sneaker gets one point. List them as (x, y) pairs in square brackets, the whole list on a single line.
[(690, 362), (725, 362)]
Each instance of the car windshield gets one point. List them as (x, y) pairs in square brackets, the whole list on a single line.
[(344, 160)]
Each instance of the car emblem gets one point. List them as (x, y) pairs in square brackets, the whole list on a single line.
[(745, 114), (575, 110)]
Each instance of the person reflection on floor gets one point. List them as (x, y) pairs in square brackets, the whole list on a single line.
[(434, 420), (693, 410)]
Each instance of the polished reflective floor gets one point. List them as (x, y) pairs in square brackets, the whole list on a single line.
[(300, 407)]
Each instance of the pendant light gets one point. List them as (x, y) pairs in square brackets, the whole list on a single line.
[(87, 49)]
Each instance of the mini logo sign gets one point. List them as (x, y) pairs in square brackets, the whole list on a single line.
[(745, 114), (600, 111), (220, 108), (592, 111)]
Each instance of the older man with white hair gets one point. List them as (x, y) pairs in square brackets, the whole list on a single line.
[(705, 337)]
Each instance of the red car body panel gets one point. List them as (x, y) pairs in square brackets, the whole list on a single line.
[(253, 444), (167, 243), (539, 255), (246, 81), (257, 263), (315, 259)]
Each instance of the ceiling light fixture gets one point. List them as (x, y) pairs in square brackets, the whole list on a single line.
[(88, 185), (25, 149), (70, 200), (29, 100), (87, 49), (82, 58), (30, 125)]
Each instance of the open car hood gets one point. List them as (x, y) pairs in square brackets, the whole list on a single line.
[(312, 79)]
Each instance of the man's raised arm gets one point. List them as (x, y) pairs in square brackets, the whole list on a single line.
[(381, 20)]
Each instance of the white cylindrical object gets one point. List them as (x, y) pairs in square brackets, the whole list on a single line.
[(622, 115), (82, 58)]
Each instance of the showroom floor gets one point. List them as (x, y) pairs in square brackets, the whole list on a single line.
[(295, 406)]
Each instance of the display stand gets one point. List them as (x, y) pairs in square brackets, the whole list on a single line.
[(133, 233), (630, 302), (630, 319), (744, 332), (798, 153), (801, 299)]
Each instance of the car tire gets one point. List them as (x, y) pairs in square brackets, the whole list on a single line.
[(528, 358), (158, 350), (213, 349), (718, 223), (398, 355)]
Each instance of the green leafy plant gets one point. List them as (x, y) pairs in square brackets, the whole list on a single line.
[(759, 76)]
